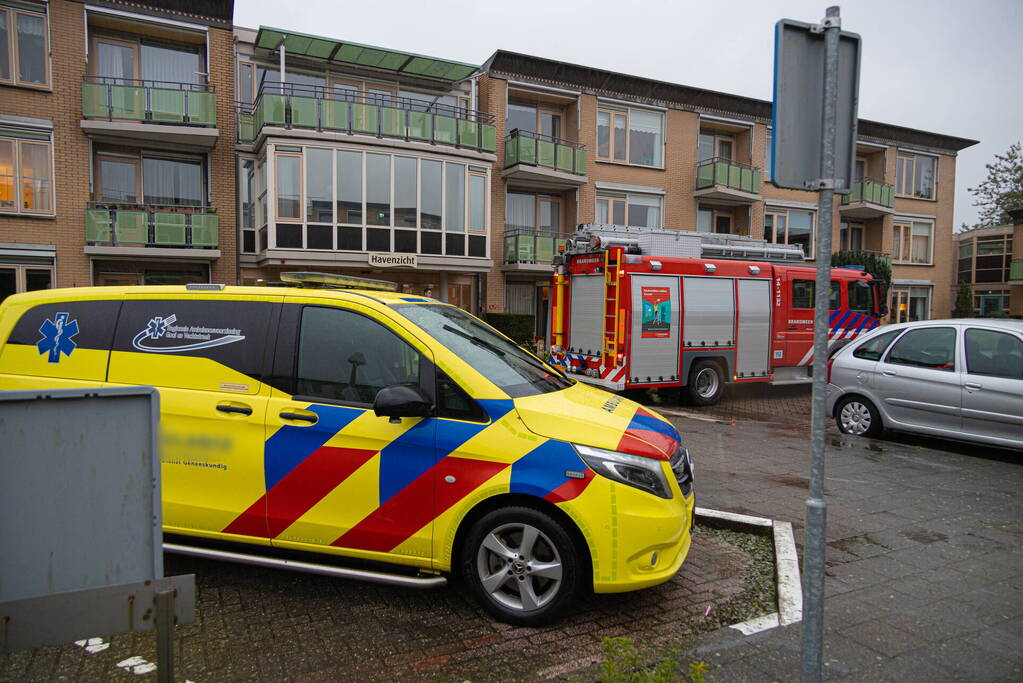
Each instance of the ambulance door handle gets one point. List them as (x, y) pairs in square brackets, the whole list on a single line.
[(228, 408), (305, 417)]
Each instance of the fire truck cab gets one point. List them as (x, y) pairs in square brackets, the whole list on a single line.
[(642, 308)]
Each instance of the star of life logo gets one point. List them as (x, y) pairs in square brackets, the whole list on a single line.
[(175, 338), (57, 337)]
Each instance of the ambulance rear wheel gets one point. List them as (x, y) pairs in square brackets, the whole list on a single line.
[(521, 565), (706, 383)]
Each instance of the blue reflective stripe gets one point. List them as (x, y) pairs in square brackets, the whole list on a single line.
[(652, 424), (542, 470), (289, 445)]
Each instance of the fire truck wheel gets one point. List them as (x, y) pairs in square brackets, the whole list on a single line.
[(706, 383), (859, 417)]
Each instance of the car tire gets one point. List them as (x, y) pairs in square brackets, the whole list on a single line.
[(857, 416), (706, 383), (525, 586)]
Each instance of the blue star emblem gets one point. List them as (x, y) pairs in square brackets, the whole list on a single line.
[(156, 327), (57, 334)]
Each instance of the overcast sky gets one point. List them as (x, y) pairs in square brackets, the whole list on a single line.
[(946, 66)]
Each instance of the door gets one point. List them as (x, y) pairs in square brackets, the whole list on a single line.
[(797, 338), (336, 474), (722, 223), (993, 385), (655, 334), (753, 350), (919, 382), (206, 357)]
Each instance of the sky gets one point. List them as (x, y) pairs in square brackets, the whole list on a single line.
[(944, 66)]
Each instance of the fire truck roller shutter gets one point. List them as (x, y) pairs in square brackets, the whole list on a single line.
[(586, 308), (709, 312), (754, 344), (653, 353)]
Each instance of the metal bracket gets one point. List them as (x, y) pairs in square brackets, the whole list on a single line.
[(821, 184), (826, 23)]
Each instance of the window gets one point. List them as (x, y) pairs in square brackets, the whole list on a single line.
[(915, 175), (378, 189), (519, 297), (24, 51), (247, 205), (850, 236), (930, 347), (348, 358), (454, 404), (454, 197), (768, 155), (803, 294), (319, 175), (15, 279), (632, 135), (532, 118), (910, 303), (289, 186), (150, 179), (532, 225), (637, 210), (713, 220), (997, 354), (790, 226), (406, 184), (874, 348), (860, 300), (911, 242), (711, 145), (477, 201), (26, 169), (128, 58)]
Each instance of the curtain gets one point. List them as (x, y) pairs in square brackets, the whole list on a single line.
[(645, 137), (171, 65), (644, 212), (115, 61), (520, 211), (173, 183), (31, 48)]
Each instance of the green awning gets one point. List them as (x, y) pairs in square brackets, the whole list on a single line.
[(346, 52)]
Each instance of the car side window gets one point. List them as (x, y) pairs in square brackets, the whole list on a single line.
[(997, 354), (803, 294), (874, 348), (928, 347), (348, 357), (859, 296), (454, 403)]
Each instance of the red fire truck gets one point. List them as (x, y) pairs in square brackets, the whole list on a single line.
[(641, 308)]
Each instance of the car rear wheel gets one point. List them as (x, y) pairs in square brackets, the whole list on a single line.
[(522, 566), (859, 417), (706, 383)]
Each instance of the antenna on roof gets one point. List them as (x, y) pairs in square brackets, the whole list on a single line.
[(333, 281)]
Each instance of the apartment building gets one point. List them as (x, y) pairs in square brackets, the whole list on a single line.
[(112, 168), (983, 264), (578, 144), (362, 160)]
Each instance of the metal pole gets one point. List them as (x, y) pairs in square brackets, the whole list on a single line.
[(816, 508), (165, 636)]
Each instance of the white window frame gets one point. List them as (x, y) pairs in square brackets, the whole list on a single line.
[(898, 242), (611, 196), (910, 157), (12, 50), (777, 210), (613, 109), (16, 145)]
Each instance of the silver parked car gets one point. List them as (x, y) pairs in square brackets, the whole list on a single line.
[(959, 379)]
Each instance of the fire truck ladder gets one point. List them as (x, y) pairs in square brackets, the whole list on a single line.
[(612, 296)]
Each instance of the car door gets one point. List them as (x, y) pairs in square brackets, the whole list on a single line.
[(338, 476), (207, 357), (918, 380), (992, 392)]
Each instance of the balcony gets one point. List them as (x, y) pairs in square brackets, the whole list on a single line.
[(1016, 272), (868, 199), (727, 182), (531, 249), (150, 110), (313, 108), (147, 229), (543, 162)]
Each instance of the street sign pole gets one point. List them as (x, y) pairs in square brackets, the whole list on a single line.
[(816, 508)]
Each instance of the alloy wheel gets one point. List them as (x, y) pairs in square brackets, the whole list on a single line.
[(519, 567)]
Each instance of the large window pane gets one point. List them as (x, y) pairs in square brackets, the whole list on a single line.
[(921, 243), (705, 221), (645, 138), (349, 187), (405, 184), (114, 60), (644, 212), (35, 177), (519, 211), (931, 347), (454, 197), (289, 186), (430, 194), (801, 230), (171, 64), (521, 116), (619, 138), (923, 180), (550, 215), (319, 173), (378, 189), (173, 182), (603, 134), (31, 48), (246, 187), (477, 203), (117, 181), (5, 41), (7, 174), (994, 353), (705, 147)]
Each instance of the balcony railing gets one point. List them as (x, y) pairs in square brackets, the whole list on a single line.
[(163, 102), (149, 225), (872, 192), (523, 244), (535, 149), (719, 171), (316, 108), (1016, 270)]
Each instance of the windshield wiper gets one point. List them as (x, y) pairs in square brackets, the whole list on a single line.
[(476, 340)]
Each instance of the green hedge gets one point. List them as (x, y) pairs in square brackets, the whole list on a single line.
[(517, 326), (878, 266)]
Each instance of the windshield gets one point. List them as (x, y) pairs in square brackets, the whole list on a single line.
[(515, 371)]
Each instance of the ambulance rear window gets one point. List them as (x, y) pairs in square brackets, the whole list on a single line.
[(515, 371)]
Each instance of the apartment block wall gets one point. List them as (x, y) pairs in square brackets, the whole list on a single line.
[(223, 162), (63, 106)]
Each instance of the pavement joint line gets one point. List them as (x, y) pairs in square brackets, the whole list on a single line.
[(786, 565)]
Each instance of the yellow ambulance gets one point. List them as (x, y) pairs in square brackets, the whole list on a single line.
[(373, 426)]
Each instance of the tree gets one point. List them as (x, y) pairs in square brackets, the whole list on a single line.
[(963, 306), (878, 266), (1002, 190)]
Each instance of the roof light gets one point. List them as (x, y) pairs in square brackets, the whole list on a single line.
[(709, 267), (203, 287), (334, 281)]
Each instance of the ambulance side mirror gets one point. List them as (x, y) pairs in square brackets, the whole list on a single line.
[(401, 400)]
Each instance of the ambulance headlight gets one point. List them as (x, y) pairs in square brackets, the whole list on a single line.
[(645, 474)]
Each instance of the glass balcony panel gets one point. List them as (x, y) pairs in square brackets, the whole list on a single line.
[(94, 101), (756, 181), (420, 125), (205, 228), (127, 102), (746, 179), (304, 112), (544, 249), (489, 137), (733, 176), (392, 122), (335, 114), (246, 127), (169, 228), (704, 176), (527, 150), (580, 161), (566, 159), (131, 227), (202, 108), (271, 108), (544, 153), (97, 225), (445, 129), (468, 133), (365, 118)]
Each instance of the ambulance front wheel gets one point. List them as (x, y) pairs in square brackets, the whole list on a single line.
[(706, 383), (521, 565)]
